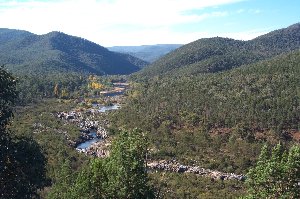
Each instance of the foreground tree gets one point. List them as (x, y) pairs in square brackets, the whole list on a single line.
[(8, 96), (121, 175), (22, 165), (127, 167), (276, 175)]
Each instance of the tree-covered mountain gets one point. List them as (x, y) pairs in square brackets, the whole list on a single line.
[(217, 102), (7, 35), (26, 53), (213, 119), (218, 54), (149, 53)]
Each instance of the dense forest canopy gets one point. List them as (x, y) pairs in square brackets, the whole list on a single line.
[(247, 105), (255, 95), (56, 52)]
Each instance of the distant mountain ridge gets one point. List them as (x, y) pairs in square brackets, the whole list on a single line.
[(24, 52), (218, 54), (149, 53), (7, 35)]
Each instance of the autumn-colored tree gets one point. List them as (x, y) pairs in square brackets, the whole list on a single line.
[(96, 85), (56, 90), (64, 93)]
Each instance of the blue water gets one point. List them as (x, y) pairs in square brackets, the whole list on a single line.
[(108, 108), (87, 144), (113, 94), (93, 134)]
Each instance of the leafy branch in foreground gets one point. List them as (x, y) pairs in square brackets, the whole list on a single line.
[(22, 163), (121, 175), (276, 175)]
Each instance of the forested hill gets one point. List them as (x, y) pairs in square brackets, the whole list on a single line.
[(234, 110), (218, 54), (26, 53), (7, 35), (149, 53)]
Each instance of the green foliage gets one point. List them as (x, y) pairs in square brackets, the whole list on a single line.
[(57, 52), (38, 122), (7, 97), (231, 107), (23, 170), (22, 163), (217, 54), (178, 185), (32, 88), (121, 175), (64, 177), (276, 174), (127, 168)]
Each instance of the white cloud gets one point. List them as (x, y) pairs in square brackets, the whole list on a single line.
[(164, 35), (255, 11), (250, 11), (110, 22), (240, 11)]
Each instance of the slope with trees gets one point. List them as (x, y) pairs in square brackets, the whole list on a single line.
[(27, 53), (22, 162), (215, 118), (218, 54), (197, 113)]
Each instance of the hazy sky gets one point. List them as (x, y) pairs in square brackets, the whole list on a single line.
[(138, 22)]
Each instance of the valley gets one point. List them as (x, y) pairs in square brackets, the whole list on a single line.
[(210, 119)]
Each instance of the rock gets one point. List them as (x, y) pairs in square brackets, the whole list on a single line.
[(172, 166), (182, 169), (69, 117)]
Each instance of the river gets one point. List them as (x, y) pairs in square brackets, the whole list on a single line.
[(93, 133), (119, 90), (88, 143)]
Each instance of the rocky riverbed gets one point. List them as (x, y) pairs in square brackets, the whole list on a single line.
[(92, 121), (92, 129), (96, 137), (173, 166), (94, 141)]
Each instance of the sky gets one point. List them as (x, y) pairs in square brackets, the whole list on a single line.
[(148, 22)]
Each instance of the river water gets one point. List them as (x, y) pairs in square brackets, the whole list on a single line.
[(88, 143), (103, 109), (93, 134)]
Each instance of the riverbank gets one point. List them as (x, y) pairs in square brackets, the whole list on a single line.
[(94, 140), (90, 115), (173, 166), (92, 124)]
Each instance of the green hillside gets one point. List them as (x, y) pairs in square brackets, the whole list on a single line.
[(215, 118), (7, 35), (26, 53), (219, 54), (192, 125)]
